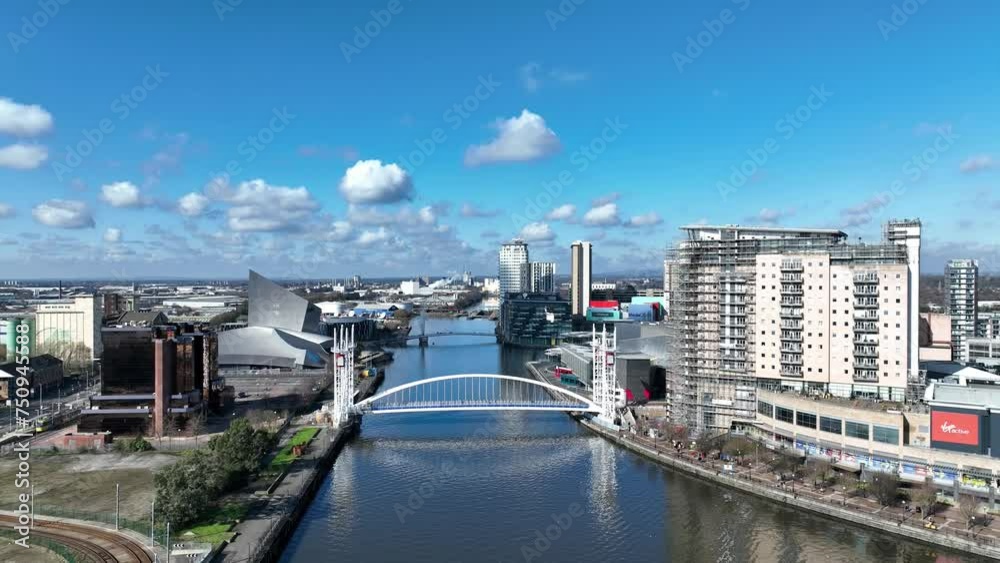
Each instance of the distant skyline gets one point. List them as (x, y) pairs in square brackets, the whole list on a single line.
[(396, 138)]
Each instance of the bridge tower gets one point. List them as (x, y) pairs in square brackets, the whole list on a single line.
[(343, 375), (604, 381)]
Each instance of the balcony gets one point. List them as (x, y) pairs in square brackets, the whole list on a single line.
[(862, 339), (791, 301), (863, 363), (866, 376), (791, 325), (793, 359), (866, 351), (866, 277), (791, 336), (863, 290), (791, 371), (866, 315), (791, 313), (792, 278), (866, 328), (787, 289), (791, 266), (791, 347), (866, 303)]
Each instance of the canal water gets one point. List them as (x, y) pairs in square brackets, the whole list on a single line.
[(529, 486)]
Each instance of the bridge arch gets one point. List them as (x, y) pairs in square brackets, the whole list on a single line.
[(573, 402)]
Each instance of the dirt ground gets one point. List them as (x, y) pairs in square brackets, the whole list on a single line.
[(10, 553), (86, 482)]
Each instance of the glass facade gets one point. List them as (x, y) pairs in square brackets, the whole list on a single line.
[(765, 409), (831, 425), (885, 434), (535, 320), (783, 414), (805, 419), (856, 430)]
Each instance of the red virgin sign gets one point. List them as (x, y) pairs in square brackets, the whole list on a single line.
[(955, 428)]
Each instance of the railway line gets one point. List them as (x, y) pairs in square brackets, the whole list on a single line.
[(91, 543)]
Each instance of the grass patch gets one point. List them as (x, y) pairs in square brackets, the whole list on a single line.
[(285, 457), (215, 527)]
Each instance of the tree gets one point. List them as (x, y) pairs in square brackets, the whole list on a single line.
[(924, 497), (185, 490), (968, 507), (885, 487), (240, 448), (197, 425), (787, 465), (850, 483), (820, 471), (678, 433), (737, 447)]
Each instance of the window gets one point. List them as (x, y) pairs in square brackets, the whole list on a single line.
[(766, 409), (783, 414), (805, 419), (831, 425), (856, 430), (885, 434)]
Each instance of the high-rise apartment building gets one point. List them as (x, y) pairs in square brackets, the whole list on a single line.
[(782, 308), (581, 267), (962, 277), (538, 277), (513, 255), (669, 279)]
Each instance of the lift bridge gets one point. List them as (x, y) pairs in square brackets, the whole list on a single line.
[(474, 391)]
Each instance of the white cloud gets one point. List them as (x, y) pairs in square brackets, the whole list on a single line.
[(259, 206), (519, 139), (64, 214), (112, 235), (562, 213), (7, 211), (470, 210), (864, 212), (611, 197), (976, 163), (602, 216), (20, 156), (369, 238), (645, 220), (537, 232), (192, 204), (533, 76), (768, 216), (123, 195), (370, 181), (23, 120)]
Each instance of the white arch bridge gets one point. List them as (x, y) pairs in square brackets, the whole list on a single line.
[(475, 392)]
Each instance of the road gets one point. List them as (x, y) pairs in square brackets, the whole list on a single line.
[(92, 544)]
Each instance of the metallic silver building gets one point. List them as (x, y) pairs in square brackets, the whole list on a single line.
[(962, 277)]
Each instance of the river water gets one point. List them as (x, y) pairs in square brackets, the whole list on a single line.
[(529, 486)]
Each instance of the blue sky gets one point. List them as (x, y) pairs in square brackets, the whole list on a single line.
[(410, 137)]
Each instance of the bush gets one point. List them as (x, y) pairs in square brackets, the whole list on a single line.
[(134, 445), (885, 487)]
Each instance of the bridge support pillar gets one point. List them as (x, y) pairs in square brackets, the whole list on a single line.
[(424, 341)]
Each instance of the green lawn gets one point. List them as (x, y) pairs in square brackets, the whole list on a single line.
[(215, 527), (285, 457)]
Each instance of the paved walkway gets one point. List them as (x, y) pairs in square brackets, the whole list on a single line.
[(267, 515), (947, 519)]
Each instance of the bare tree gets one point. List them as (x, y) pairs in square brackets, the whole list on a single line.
[(885, 487), (968, 507), (924, 497), (820, 471), (197, 425), (850, 483)]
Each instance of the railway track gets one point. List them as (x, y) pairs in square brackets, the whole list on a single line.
[(92, 544)]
